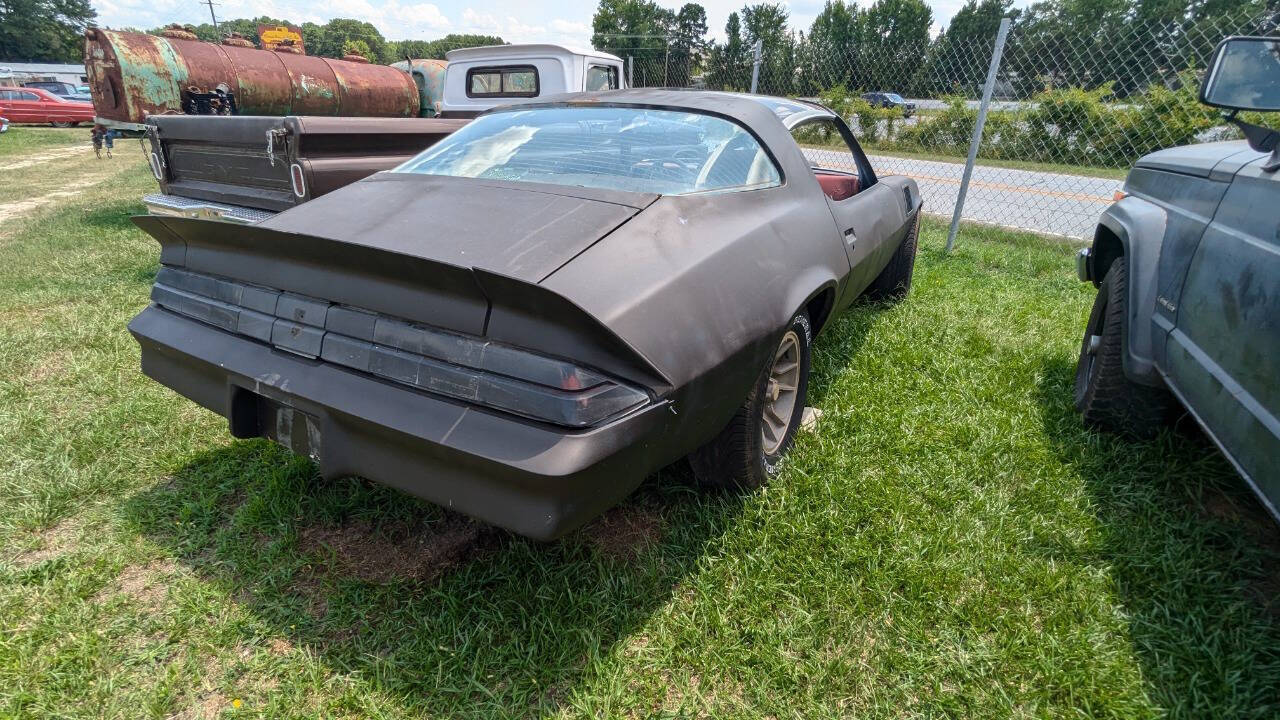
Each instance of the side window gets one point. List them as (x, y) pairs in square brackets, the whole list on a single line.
[(497, 82), (601, 77), (832, 159), (6, 95), (28, 96)]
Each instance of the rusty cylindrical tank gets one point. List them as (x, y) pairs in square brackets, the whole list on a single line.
[(133, 75), (429, 77)]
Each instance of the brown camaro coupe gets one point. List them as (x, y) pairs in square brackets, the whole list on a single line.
[(547, 305)]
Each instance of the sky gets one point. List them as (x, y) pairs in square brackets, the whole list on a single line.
[(558, 21)]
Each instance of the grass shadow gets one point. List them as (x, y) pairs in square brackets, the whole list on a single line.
[(420, 602), (1193, 556)]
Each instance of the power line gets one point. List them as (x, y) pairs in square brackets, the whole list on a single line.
[(213, 17)]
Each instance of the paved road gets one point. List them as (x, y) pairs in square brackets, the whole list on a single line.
[(1045, 202)]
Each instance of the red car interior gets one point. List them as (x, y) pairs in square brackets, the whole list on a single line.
[(837, 187)]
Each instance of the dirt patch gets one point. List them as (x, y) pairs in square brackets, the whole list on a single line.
[(53, 542), (144, 585), (401, 552), (44, 157), (49, 366), (279, 646), (625, 531), (8, 211)]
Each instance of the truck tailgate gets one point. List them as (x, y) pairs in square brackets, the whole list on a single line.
[(274, 163)]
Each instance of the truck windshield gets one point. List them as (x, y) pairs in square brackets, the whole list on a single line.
[(616, 148)]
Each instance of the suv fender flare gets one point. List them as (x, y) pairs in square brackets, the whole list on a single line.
[(1132, 229)]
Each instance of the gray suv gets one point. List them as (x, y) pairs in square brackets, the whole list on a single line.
[(1187, 267)]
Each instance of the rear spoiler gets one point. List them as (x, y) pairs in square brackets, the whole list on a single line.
[(472, 300)]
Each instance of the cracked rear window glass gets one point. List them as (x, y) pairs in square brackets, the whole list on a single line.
[(668, 152)]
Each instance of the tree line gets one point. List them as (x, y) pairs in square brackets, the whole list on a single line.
[(342, 36), (53, 31), (889, 45)]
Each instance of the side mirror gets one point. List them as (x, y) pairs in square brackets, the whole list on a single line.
[(1244, 75)]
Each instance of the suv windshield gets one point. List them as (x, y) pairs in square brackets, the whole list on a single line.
[(616, 148), (894, 97)]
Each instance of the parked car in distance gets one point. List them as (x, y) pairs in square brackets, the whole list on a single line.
[(33, 105), (64, 90), (1187, 267), (890, 100), (544, 307)]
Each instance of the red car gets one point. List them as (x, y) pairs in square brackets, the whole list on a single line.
[(33, 105)]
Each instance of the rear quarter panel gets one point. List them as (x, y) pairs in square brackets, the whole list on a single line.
[(702, 285)]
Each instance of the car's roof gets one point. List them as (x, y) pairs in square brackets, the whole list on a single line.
[(741, 106)]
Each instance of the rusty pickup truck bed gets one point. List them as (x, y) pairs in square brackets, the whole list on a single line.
[(257, 166)]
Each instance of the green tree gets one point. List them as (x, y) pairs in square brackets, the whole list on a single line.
[(830, 52), (336, 33), (44, 30), (893, 43), (729, 63), (437, 48), (688, 43), (955, 64), (640, 29), (767, 23)]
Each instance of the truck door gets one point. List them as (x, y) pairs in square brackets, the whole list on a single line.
[(1223, 355)]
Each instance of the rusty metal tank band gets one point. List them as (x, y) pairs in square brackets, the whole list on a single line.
[(133, 75)]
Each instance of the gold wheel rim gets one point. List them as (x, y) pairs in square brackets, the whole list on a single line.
[(781, 393)]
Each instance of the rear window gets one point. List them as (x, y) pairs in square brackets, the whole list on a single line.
[(494, 82), (659, 151), (601, 77)]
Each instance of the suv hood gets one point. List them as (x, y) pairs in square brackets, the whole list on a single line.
[(521, 230), (1198, 160)]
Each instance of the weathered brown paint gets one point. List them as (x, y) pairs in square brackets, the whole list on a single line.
[(133, 75)]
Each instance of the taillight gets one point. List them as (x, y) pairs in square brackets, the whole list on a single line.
[(462, 367), (298, 181)]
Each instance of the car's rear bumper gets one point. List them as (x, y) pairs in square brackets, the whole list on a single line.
[(535, 479)]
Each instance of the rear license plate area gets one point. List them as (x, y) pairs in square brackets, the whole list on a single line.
[(253, 415)]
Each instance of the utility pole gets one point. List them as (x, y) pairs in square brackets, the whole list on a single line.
[(213, 17)]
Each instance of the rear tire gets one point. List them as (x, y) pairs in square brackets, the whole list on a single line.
[(62, 124), (1104, 395), (894, 282), (749, 450)]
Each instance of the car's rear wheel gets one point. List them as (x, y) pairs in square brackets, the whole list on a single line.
[(60, 124), (1104, 395), (749, 450), (894, 282)]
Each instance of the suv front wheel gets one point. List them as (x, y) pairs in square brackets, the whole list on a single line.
[(1104, 395)]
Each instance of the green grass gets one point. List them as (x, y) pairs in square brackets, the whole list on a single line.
[(951, 542), (24, 139)]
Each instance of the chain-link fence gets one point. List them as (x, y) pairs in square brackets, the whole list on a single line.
[(1069, 112)]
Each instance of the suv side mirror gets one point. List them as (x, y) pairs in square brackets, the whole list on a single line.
[(1244, 75)]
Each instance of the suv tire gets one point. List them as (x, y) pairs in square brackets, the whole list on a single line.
[(1104, 395)]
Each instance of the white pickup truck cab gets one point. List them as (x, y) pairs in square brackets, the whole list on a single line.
[(479, 78)]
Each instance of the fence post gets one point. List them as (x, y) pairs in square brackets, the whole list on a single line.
[(757, 51), (630, 83), (977, 130)]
